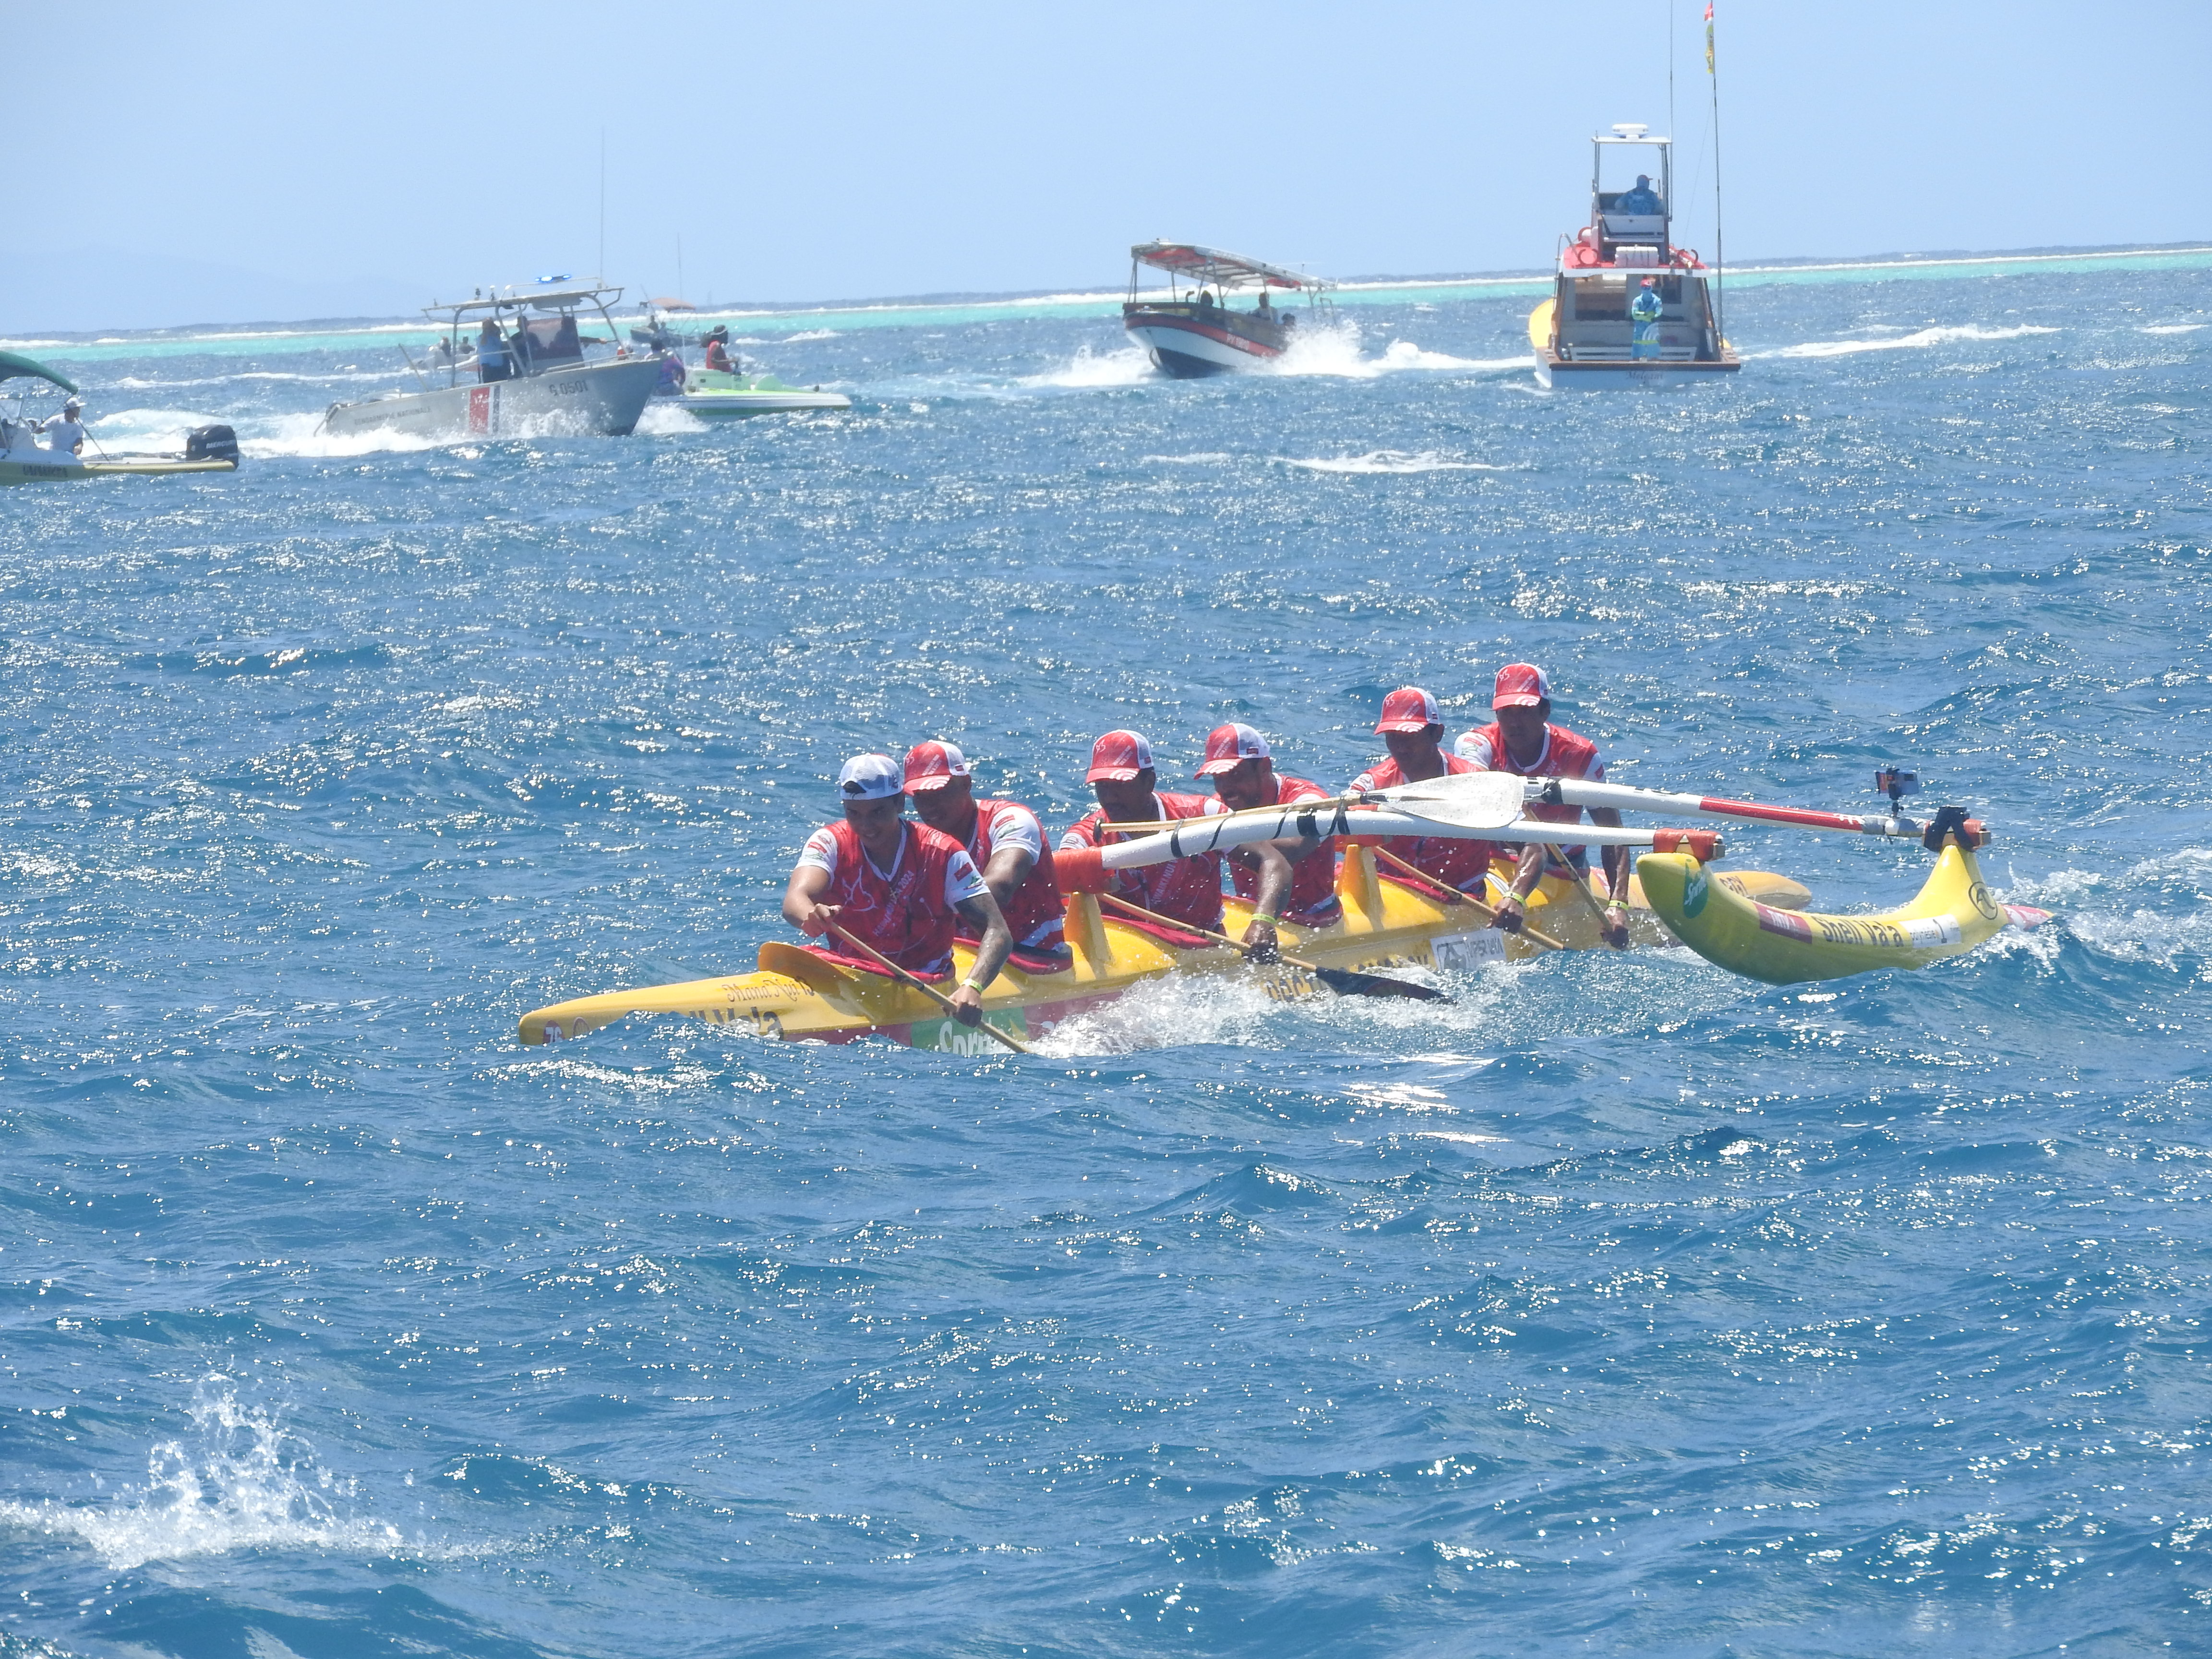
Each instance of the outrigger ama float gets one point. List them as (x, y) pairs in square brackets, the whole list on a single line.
[(1628, 306), (1202, 335), (1749, 922)]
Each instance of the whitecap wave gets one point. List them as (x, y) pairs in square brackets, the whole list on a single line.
[(238, 1481), (811, 334), (665, 418), (1389, 460), (2171, 328), (1919, 340)]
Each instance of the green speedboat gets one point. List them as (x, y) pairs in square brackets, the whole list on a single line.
[(712, 393)]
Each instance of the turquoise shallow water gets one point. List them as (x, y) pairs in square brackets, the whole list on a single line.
[(1618, 1308)]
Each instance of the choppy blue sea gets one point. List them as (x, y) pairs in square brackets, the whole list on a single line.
[(1618, 1308)]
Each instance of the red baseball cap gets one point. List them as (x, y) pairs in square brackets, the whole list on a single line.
[(932, 765), (1521, 685), (1228, 747), (1409, 708), (1119, 756)]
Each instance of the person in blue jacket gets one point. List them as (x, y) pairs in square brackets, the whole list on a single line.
[(1643, 314), (1641, 199)]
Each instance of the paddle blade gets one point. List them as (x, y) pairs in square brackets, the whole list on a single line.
[(1472, 800), (1347, 983)]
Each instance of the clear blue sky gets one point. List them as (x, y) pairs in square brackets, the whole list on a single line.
[(248, 162)]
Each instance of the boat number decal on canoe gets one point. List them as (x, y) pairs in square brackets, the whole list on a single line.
[(1467, 951), (1934, 930), (1693, 894), (1787, 923), (1983, 902)]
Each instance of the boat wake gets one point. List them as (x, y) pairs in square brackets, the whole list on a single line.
[(1335, 351), (1088, 370), (1183, 1008), (238, 1481), (1919, 340), (668, 418)]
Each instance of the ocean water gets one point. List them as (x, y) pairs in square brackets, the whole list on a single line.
[(1620, 1307)]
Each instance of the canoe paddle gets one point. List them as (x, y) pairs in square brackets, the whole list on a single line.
[(1345, 981), (926, 989), (1445, 894), (1476, 801)]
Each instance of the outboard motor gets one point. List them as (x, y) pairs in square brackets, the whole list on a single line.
[(211, 443)]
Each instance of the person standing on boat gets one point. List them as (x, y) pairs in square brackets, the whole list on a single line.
[(718, 349), (64, 432), (491, 353), (1411, 726), (1187, 889), (1522, 740), (1238, 761), (1644, 312), (900, 887), (1006, 841)]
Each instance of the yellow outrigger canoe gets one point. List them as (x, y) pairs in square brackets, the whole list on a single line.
[(797, 995)]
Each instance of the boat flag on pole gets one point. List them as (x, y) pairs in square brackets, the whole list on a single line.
[(1709, 36)]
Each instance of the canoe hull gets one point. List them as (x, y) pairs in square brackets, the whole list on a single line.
[(794, 995), (1953, 912)]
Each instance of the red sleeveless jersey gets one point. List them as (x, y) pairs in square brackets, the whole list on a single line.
[(1455, 863), (905, 915), (1313, 878), (1187, 889), (1034, 914), (1564, 755)]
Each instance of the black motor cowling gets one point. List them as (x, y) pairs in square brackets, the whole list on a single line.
[(211, 443)]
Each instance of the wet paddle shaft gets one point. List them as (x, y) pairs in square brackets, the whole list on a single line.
[(928, 989)]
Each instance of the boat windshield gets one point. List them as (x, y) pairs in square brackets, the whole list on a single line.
[(528, 345)]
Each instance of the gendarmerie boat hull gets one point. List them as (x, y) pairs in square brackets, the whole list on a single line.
[(797, 995), (584, 399)]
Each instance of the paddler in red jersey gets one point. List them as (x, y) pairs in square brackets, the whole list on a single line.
[(900, 887), (1005, 842), (1522, 740), (1413, 728), (1186, 890), (1243, 768)]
